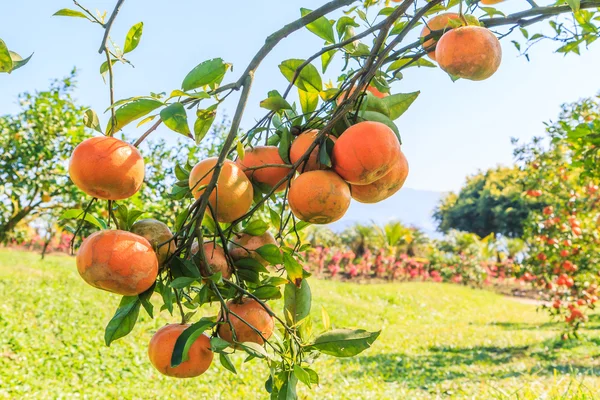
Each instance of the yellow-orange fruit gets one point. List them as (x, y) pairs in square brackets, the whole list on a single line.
[(234, 189), (374, 91), (365, 152), (254, 314), (117, 261), (319, 197), (383, 187), (469, 52), (156, 233), (162, 344), (244, 245), (439, 22), (107, 168), (263, 155), (215, 256), (299, 147), (490, 2)]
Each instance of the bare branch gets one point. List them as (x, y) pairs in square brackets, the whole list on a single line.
[(108, 25)]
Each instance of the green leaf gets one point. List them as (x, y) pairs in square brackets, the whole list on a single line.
[(270, 253), (181, 173), (345, 23), (285, 143), (254, 349), (344, 342), (175, 118), (66, 12), (297, 302), (210, 72), (256, 227), (226, 363), (145, 300), (124, 319), (267, 292), (399, 103), (251, 264), (302, 375), (574, 4), (288, 389), (6, 63), (18, 61), (187, 339), (104, 66), (90, 119), (77, 213), (130, 112), (321, 27), (275, 218), (308, 79), (326, 59), (293, 269), (314, 377), (400, 63), (275, 102), (309, 102), (181, 282), (133, 37), (203, 123), (218, 345), (248, 275)]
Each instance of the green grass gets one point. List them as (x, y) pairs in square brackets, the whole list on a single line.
[(437, 341)]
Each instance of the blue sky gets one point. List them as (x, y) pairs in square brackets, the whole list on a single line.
[(451, 131)]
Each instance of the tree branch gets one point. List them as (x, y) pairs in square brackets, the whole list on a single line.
[(520, 18), (108, 25)]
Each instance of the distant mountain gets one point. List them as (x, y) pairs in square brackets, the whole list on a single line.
[(409, 206)]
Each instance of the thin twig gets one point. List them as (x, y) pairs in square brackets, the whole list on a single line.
[(108, 25)]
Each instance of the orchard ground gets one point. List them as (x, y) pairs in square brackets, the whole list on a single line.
[(438, 340)]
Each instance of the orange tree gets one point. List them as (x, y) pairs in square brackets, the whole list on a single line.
[(243, 205), (562, 233)]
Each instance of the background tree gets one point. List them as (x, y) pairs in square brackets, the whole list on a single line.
[(490, 202), (36, 144)]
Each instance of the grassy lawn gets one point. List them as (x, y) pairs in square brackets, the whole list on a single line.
[(438, 341)]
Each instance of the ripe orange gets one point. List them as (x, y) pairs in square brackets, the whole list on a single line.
[(117, 261), (217, 261), (234, 189), (254, 314), (439, 22), (365, 152), (156, 233), (107, 168), (319, 197), (469, 52), (262, 155), (160, 351), (384, 187), (300, 145), (490, 2), (243, 246)]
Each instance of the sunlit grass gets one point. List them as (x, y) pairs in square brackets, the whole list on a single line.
[(437, 341)]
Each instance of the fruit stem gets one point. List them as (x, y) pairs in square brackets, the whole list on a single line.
[(460, 13)]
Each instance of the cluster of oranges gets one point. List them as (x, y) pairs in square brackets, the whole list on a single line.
[(128, 262)]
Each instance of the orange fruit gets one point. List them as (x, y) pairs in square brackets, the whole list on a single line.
[(156, 233), (469, 52), (365, 152), (300, 145), (263, 155), (117, 261), (233, 195), (217, 261), (162, 344), (439, 22), (384, 187), (319, 197), (490, 2), (243, 246), (107, 168), (254, 314)]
